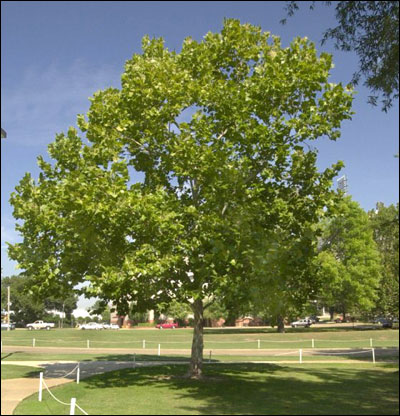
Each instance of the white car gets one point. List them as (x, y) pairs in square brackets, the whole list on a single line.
[(40, 325), (92, 325), (306, 323), (114, 326)]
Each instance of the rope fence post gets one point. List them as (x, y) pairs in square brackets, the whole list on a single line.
[(312, 343), (370, 342), (72, 407), (144, 344), (300, 355), (87, 344), (78, 374), (33, 342), (373, 355), (159, 349), (258, 344), (40, 386)]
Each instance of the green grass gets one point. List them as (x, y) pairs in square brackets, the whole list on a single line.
[(18, 371), (245, 338), (252, 389)]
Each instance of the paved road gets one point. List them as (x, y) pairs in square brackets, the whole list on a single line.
[(166, 352)]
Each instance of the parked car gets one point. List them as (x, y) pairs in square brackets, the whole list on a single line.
[(4, 325), (114, 326), (40, 325), (92, 325), (167, 326), (384, 322), (313, 318), (106, 326), (306, 323), (341, 320)]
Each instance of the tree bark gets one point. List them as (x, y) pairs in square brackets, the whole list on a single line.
[(331, 312), (196, 360), (281, 324)]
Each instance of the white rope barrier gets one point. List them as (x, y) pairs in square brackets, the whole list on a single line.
[(339, 353), (54, 397), (80, 408), (65, 375), (71, 405)]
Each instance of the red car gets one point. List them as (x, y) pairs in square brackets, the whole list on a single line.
[(166, 326)]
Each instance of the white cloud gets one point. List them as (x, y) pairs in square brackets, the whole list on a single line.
[(47, 101)]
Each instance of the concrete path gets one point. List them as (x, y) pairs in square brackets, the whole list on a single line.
[(15, 390)]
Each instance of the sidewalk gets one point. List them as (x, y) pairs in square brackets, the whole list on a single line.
[(15, 390)]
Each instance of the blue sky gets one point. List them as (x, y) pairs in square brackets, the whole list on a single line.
[(54, 55)]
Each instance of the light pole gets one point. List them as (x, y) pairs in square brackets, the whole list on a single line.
[(8, 308)]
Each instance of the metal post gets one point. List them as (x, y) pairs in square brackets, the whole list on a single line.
[(373, 355), (72, 408), (159, 349), (258, 344), (33, 342), (144, 344), (370, 342), (312, 343), (40, 386), (8, 307), (300, 355), (78, 375)]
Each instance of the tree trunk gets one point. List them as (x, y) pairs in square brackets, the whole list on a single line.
[(281, 324), (196, 360), (331, 312)]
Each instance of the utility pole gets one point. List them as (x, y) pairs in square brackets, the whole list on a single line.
[(8, 308)]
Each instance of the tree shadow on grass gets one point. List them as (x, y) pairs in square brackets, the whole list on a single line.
[(263, 389)]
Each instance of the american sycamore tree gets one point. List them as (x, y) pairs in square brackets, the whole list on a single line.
[(220, 132), (349, 262)]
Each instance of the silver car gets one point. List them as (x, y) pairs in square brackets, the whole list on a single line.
[(306, 323)]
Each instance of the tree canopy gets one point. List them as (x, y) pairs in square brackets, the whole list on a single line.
[(371, 30), (219, 132), (385, 225), (349, 263)]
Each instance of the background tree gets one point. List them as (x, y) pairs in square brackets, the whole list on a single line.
[(101, 308), (286, 280), (349, 264), (385, 224), (28, 306), (218, 132), (371, 30)]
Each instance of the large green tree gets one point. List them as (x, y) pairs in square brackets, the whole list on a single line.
[(218, 131), (371, 30), (385, 223), (349, 264)]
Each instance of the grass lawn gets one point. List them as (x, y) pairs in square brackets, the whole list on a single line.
[(18, 371), (213, 339), (253, 389)]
